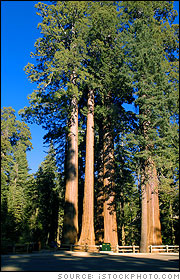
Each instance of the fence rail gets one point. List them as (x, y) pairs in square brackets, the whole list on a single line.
[(19, 248), (128, 249), (28, 248), (123, 249), (164, 248), (76, 247)]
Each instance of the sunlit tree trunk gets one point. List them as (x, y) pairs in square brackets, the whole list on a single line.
[(150, 214), (154, 225), (87, 233), (110, 221), (70, 228), (144, 215), (123, 237), (173, 239)]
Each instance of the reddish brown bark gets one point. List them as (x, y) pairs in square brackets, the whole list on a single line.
[(110, 222), (87, 232), (144, 216), (154, 225), (150, 214), (70, 228), (100, 192)]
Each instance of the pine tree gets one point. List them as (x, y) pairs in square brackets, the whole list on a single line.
[(127, 198), (45, 201), (15, 138)]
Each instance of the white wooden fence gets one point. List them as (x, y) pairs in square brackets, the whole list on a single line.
[(164, 248), (122, 249), (128, 249)]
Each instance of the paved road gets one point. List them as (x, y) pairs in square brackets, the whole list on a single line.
[(90, 262)]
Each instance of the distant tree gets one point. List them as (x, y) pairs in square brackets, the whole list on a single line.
[(127, 197), (15, 142), (45, 201)]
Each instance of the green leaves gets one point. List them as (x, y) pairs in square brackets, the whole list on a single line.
[(45, 197), (15, 136)]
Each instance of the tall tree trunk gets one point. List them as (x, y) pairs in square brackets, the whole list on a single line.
[(87, 232), (154, 225), (144, 216), (110, 221), (100, 191), (123, 236), (150, 215), (173, 238), (70, 228)]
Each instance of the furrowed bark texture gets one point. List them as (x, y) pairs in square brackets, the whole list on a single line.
[(150, 219), (150, 215), (70, 229), (110, 221), (144, 216), (100, 191), (154, 225), (87, 233)]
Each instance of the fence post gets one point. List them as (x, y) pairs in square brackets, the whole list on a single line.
[(167, 248), (134, 250), (150, 248), (86, 248), (117, 248)]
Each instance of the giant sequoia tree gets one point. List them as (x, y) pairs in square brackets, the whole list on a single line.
[(58, 72), (87, 232), (101, 55), (150, 68)]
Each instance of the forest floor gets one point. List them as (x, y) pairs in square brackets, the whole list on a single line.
[(67, 261)]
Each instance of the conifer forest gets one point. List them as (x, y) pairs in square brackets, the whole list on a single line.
[(106, 75)]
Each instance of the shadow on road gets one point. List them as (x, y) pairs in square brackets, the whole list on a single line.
[(90, 262)]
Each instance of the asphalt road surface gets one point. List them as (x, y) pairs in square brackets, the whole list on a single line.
[(90, 262)]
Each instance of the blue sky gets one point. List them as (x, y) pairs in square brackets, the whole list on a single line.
[(18, 35)]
